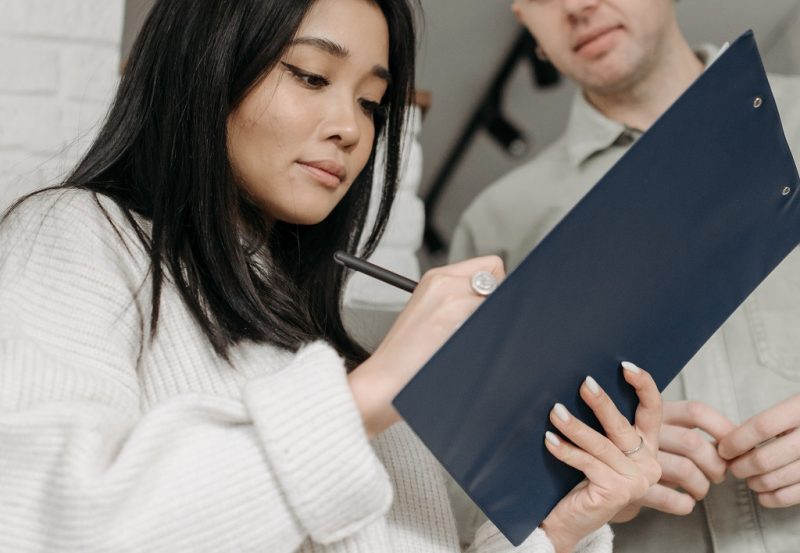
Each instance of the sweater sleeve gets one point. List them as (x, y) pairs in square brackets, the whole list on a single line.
[(488, 539), (86, 466)]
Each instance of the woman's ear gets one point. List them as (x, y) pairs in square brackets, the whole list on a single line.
[(515, 11)]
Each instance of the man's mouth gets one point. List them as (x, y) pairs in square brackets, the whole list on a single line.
[(591, 42)]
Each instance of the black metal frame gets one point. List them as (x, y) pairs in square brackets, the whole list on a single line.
[(488, 115)]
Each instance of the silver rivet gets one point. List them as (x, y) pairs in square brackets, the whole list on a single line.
[(757, 102), (786, 191)]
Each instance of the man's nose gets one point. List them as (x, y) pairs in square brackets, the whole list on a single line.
[(578, 8)]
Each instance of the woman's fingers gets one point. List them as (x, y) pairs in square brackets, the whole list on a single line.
[(617, 427), (449, 281), (642, 443), (591, 441), (615, 479), (469, 267), (649, 412), (596, 471), (441, 302)]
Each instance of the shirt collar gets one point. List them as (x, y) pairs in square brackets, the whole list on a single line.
[(589, 131)]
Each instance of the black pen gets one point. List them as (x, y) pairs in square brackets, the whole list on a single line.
[(370, 269)]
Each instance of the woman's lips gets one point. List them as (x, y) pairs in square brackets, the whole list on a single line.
[(329, 174)]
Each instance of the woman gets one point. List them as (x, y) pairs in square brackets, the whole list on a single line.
[(172, 356)]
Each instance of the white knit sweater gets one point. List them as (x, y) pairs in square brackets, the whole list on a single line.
[(112, 442)]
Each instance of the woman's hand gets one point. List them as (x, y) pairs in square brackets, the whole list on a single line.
[(442, 301), (614, 479)]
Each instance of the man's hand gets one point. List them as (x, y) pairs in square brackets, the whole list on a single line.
[(772, 469), (689, 461)]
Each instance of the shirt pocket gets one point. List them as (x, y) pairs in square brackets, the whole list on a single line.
[(773, 315)]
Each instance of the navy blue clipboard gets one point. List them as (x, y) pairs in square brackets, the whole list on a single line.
[(646, 267)]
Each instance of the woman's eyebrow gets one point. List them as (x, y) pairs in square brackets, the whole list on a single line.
[(337, 50), (328, 46)]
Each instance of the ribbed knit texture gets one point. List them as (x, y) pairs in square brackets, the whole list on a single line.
[(112, 442), (490, 540)]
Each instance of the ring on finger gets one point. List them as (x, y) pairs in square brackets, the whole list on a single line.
[(483, 283), (636, 449)]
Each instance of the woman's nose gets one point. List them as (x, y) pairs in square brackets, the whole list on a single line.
[(342, 124)]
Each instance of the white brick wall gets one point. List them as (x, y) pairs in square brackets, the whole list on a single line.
[(59, 64)]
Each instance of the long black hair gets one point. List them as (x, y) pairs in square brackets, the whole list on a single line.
[(162, 154)]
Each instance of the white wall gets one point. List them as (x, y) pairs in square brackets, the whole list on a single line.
[(59, 64), (135, 13)]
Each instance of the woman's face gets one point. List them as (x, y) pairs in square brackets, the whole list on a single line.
[(304, 133)]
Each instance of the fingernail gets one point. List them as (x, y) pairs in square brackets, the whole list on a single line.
[(594, 387), (630, 367), (561, 412), (552, 438)]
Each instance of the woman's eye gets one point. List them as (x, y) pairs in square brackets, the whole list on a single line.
[(311, 80), (373, 109)]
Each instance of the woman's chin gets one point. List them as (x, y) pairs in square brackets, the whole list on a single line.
[(306, 218)]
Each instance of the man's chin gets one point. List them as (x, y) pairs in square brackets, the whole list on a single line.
[(604, 79)]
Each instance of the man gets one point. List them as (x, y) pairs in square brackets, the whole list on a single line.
[(631, 62)]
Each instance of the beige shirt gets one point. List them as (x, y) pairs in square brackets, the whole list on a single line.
[(749, 365)]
